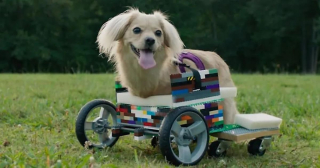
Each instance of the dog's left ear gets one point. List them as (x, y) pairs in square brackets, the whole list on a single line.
[(114, 29), (171, 36)]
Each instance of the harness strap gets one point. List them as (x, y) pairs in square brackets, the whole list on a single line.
[(196, 74), (193, 58)]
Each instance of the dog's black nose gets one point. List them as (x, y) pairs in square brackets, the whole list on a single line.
[(150, 41)]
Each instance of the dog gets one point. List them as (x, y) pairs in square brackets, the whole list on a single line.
[(143, 48)]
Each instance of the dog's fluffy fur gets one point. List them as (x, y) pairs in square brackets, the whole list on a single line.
[(116, 38)]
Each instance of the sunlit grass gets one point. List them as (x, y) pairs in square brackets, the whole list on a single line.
[(38, 112)]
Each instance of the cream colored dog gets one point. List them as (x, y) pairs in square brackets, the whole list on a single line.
[(143, 47)]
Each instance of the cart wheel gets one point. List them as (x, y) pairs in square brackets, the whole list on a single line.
[(96, 127), (176, 141), (217, 149), (154, 141), (255, 148)]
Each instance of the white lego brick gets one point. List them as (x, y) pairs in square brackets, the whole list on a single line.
[(257, 121)]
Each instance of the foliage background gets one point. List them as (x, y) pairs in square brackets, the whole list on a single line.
[(251, 35)]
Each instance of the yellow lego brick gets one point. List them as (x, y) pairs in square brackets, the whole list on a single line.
[(214, 112), (182, 122)]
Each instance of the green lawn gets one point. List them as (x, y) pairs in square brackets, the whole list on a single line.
[(38, 112)]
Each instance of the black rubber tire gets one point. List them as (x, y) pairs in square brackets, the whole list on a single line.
[(81, 119), (253, 147), (213, 148), (165, 140), (154, 141)]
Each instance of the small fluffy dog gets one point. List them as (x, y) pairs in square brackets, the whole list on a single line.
[(143, 48)]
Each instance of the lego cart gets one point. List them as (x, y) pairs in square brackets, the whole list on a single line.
[(179, 123)]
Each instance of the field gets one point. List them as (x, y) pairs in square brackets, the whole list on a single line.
[(38, 112)]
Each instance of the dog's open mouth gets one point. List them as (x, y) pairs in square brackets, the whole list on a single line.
[(145, 56)]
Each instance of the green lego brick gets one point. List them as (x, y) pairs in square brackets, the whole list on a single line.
[(218, 123), (212, 71), (118, 86), (225, 128)]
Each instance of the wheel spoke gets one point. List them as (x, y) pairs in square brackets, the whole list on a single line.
[(184, 153), (88, 125), (197, 128), (176, 129), (103, 137), (104, 113)]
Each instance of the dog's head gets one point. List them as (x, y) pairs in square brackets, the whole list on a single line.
[(143, 34)]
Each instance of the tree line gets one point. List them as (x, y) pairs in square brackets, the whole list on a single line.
[(250, 35)]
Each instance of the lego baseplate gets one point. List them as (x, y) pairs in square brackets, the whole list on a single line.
[(241, 134), (224, 128)]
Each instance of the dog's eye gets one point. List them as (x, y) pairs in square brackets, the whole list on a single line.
[(158, 33), (136, 30)]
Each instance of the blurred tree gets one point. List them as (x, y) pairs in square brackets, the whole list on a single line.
[(60, 35)]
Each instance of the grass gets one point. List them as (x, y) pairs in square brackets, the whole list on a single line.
[(38, 112)]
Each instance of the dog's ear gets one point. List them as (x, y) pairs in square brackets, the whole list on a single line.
[(114, 29), (171, 36)]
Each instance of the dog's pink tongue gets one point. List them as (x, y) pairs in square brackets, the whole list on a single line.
[(146, 59)]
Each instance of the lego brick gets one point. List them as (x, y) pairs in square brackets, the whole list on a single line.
[(207, 110), (140, 138), (174, 76), (189, 87), (182, 122), (156, 121), (210, 79), (213, 116), (124, 110), (216, 90), (214, 112), (164, 109), (198, 101), (154, 109), (121, 90), (157, 117), (211, 71), (138, 134), (228, 92), (128, 118), (211, 75), (129, 114), (179, 80), (147, 124), (203, 73), (210, 105), (212, 86), (181, 99), (241, 134), (152, 113), (214, 120), (124, 121), (210, 83), (218, 123), (179, 92), (161, 114), (185, 117), (131, 122), (186, 74), (118, 85), (152, 101), (181, 83), (195, 95)]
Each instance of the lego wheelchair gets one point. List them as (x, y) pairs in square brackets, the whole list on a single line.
[(180, 123)]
